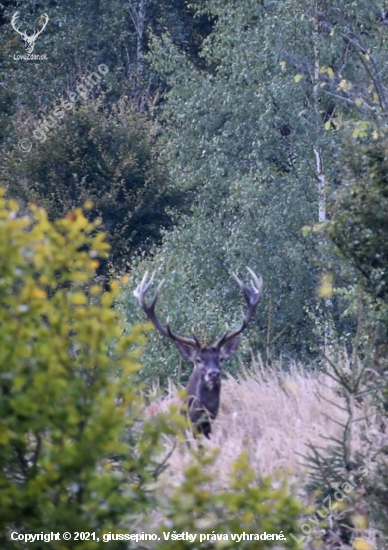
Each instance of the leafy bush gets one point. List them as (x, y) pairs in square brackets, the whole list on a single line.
[(63, 410), (106, 157), (248, 507), (359, 231)]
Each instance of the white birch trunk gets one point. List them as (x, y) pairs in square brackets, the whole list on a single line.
[(137, 11)]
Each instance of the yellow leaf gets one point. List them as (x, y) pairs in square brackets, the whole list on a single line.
[(326, 286), (248, 517), (39, 293), (359, 521), (125, 279), (298, 78), (80, 222), (327, 125), (95, 264), (358, 102), (5, 435), (88, 205), (18, 382), (106, 299), (78, 298), (95, 289), (361, 544), (282, 64), (79, 277), (345, 85), (330, 72)]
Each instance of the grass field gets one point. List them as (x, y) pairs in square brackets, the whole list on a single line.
[(274, 414)]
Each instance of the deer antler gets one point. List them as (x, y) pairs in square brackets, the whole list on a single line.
[(140, 293), (37, 33), (13, 21), (252, 296)]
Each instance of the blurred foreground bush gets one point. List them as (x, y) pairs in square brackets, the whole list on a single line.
[(248, 508), (63, 409), (74, 455)]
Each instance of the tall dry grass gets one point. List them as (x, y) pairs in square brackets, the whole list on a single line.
[(273, 414)]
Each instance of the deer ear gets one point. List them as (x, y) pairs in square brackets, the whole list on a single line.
[(185, 351), (230, 349)]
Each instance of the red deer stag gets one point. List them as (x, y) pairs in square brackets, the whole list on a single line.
[(204, 386)]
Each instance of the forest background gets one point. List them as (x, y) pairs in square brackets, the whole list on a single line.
[(224, 134)]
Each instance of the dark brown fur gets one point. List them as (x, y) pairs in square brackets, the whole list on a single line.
[(204, 386)]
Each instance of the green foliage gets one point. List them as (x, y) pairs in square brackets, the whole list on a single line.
[(237, 133), (244, 133), (249, 507), (63, 409), (73, 456), (359, 229), (108, 157), (360, 226), (104, 32)]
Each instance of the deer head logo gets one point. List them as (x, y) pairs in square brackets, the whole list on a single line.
[(29, 41)]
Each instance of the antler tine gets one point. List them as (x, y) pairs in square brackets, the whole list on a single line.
[(238, 281), (196, 341), (140, 293), (252, 295), (256, 282), (145, 285), (44, 24), (13, 22), (156, 296)]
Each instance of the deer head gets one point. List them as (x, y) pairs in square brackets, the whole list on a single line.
[(29, 41), (203, 389)]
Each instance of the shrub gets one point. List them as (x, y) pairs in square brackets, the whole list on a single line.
[(108, 157), (63, 409), (248, 508)]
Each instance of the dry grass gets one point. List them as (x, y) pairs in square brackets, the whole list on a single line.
[(273, 414)]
